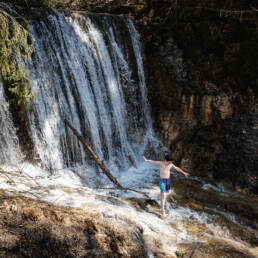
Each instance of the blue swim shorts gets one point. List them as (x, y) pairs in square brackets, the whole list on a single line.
[(164, 185)]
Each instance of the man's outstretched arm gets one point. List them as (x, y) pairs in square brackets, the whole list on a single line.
[(179, 170), (152, 161)]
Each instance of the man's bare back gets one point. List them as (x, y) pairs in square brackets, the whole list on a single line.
[(164, 167)]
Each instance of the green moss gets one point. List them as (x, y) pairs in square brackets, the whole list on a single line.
[(179, 254), (15, 50), (140, 6)]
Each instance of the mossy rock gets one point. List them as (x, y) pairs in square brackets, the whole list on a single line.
[(15, 50), (179, 254)]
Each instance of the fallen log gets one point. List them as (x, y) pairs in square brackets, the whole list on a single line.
[(92, 153), (99, 162)]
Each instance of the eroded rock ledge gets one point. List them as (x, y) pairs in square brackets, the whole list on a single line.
[(31, 228)]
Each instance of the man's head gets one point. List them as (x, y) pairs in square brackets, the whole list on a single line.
[(168, 157)]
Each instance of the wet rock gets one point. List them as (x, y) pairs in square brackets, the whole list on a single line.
[(33, 214), (231, 210), (63, 232), (192, 194), (143, 204), (195, 206)]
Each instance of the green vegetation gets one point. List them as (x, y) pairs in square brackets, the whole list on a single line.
[(140, 6), (179, 254), (15, 49)]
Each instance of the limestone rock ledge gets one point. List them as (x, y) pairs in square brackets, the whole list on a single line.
[(31, 228)]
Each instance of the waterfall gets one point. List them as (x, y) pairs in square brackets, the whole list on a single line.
[(9, 149), (87, 68)]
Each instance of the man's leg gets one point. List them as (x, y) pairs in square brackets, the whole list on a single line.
[(163, 200)]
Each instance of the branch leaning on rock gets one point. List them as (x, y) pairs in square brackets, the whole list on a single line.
[(98, 161)]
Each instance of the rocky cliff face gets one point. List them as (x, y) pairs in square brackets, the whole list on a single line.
[(210, 131), (202, 87)]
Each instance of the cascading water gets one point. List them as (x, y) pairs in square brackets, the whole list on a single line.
[(9, 148), (88, 69)]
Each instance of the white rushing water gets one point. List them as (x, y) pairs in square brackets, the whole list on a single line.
[(86, 68), (82, 71), (9, 144)]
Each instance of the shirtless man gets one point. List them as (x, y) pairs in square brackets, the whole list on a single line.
[(164, 181)]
